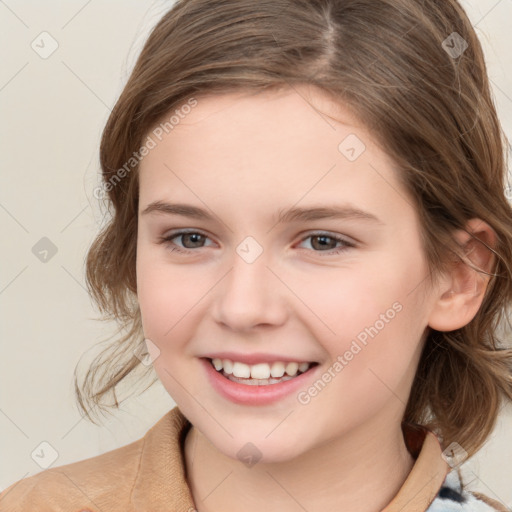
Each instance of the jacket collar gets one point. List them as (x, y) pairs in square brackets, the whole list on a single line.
[(161, 483), (427, 475)]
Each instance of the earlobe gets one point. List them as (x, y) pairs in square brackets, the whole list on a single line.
[(462, 289)]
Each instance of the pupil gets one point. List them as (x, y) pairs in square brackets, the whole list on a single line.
[(194, 235), (322, 239)]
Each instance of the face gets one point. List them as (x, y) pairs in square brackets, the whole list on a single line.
[(348, 292)]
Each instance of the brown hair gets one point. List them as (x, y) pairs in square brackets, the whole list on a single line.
[(432, 111)]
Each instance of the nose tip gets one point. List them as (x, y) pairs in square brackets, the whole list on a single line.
[(248, 296)]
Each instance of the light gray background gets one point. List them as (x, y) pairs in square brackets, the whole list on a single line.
[(53, 112)]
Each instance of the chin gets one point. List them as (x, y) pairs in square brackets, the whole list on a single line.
[(256, 452)]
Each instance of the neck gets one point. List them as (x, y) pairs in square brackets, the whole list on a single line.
[(362, 470)]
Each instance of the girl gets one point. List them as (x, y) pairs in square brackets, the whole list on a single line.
[(337, 339)]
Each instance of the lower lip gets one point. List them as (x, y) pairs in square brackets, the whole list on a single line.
[(255, 395)]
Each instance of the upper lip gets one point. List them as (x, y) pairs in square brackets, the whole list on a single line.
[(256, 357)]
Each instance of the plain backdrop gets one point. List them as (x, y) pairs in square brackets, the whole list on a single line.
[(53, 110)]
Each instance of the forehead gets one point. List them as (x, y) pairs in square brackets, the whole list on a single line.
[(272, 148), (300, 111)]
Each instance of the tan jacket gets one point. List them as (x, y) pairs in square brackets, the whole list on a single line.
[(148, 475)]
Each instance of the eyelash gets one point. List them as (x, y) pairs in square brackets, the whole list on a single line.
[(168, 241)]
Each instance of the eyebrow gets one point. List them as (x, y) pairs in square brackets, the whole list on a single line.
[(292, 214)]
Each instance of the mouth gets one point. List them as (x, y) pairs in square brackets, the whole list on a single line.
[(261, 374)]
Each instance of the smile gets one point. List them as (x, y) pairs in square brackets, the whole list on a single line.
[(258, 391), (260, 374)]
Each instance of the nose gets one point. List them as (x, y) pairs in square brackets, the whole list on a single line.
[(250, 295)]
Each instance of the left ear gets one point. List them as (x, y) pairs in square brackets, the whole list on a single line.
[(462, 289)]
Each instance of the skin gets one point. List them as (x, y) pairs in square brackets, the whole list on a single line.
[(243, 158)]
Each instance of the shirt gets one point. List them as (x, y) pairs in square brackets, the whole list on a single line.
[(149, 475)]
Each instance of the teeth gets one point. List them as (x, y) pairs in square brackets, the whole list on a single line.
[(277, 369), (292, 369), (227, 365), (303, 367), (260, 370), (258, 382), (241, 370)]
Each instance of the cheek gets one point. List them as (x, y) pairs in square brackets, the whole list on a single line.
[(373, 368), (166, 296), (343, 301), (370, 317)]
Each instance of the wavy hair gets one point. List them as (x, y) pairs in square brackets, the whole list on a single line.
[(425, 97)]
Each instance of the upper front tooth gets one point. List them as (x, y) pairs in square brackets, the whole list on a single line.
[(260, 371), (241, 370)]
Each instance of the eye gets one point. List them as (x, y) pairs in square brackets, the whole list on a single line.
[(192, 237), (321, 242), (196, 238)]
